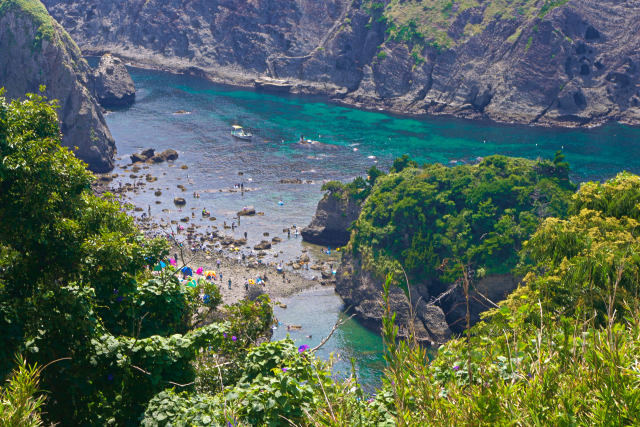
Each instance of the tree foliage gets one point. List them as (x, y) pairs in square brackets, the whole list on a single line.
[(424, 218)]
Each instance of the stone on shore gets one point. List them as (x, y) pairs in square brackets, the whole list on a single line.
[(262, 245), (179, 201)]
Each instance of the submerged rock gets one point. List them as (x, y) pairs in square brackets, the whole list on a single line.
[(112, 83)]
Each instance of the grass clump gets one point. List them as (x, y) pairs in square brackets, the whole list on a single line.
[(36, 10)]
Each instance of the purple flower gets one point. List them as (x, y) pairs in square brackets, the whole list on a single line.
[(115, 292), (224, 334), (302, 348), (110, 377), (119, 299), (456, 368), (233, 338), (284, 369)]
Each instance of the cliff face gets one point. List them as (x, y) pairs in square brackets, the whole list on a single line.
[(229, 39), (330, 224), (37, 51), (439, 311), (557, 62)]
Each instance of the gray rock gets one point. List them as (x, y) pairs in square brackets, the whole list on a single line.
[(263, 245), (166, 155), (30, 59), (363, 292), (179, 201), (334, 215), (112, 83), (247, 211)]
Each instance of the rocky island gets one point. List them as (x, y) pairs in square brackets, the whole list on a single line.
[(427, 225)]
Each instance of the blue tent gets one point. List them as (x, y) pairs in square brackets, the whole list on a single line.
[(187, 271)]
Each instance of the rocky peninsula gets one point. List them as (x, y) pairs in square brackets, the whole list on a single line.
[(36, 52)]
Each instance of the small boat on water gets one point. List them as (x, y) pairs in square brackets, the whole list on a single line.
[(240, 133)]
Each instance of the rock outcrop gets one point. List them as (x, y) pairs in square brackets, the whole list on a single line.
[(574, 63), (330, 224), (35, 51), (112, 83), (225, 40), (439, 310)]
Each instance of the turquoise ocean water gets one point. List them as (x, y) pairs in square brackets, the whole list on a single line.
[(353, 140)]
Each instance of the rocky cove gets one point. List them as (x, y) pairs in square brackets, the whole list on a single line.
[(570, 63), (193, 117)]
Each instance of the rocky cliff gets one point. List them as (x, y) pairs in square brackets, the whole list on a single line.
[(228, 40), (334, 215), (439, 311), (35, 51), (548, 62)]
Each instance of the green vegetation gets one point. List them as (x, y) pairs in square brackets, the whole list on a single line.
[(427, 22), (101, 340), (562, 349), (75, 287), (19, 405), (36, 10), (424, 218)]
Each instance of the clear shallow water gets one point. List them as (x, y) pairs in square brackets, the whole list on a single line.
[(355, 140)]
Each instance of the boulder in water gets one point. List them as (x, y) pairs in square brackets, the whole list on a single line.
[(262, 245), (179, 201), (247, 211), (112, 83)]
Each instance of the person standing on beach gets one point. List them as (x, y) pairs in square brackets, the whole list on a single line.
[(246, 284), (229, 283)]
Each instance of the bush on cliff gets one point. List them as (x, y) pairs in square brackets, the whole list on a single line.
[(427, 218)]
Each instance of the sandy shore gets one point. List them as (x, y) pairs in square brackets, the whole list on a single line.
[(276, 286)]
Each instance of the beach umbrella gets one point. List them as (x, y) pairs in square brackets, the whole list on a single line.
[(199, 270)]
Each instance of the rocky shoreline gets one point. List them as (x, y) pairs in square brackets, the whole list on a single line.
[(210, 247), (571, 65), (333, 94)]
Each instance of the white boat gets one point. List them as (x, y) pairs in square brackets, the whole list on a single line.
[(240, 133)]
